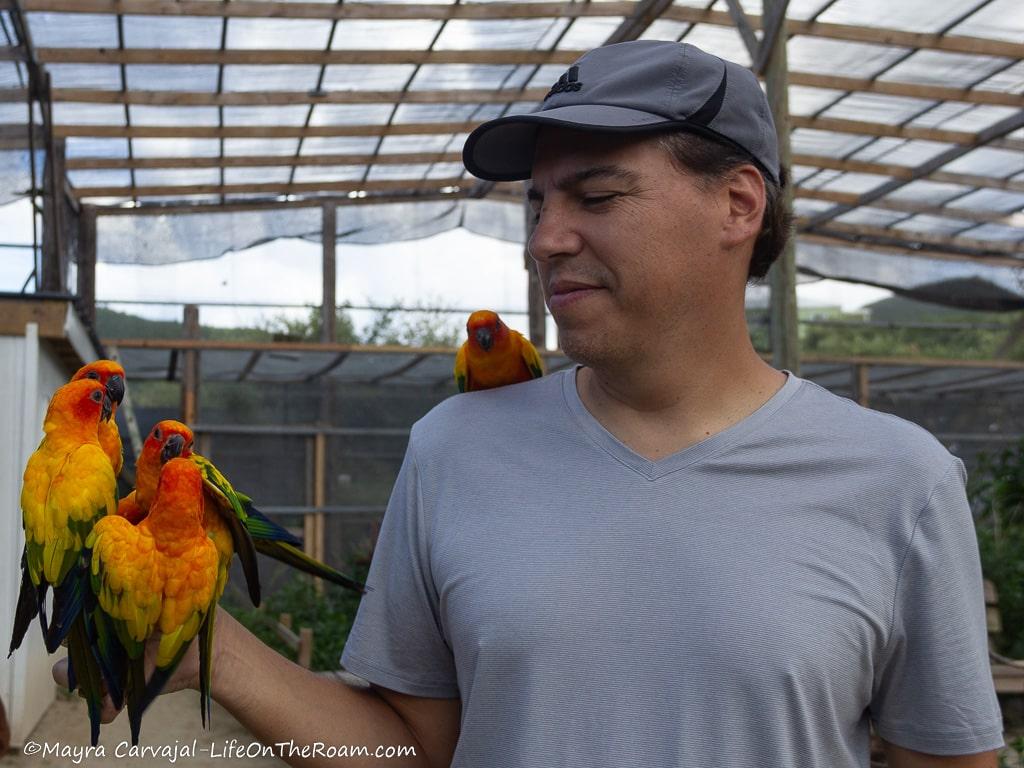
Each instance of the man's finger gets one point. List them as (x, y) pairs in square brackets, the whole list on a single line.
[(60, 672)]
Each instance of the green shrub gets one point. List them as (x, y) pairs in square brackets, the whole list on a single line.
[(328, 613), (996, 491)]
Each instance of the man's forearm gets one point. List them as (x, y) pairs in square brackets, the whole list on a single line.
[(282, 702)]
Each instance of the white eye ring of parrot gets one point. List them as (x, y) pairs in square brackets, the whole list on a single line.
[(96, 396), (92, 375), (157, 434)]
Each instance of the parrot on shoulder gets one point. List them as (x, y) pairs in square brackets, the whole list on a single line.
[(160, 575), (494, 355), (69, 486), (111, 376)]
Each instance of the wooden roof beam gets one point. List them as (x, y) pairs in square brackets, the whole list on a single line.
[(402, 158), (484, 95), (393, 11), (261, 161), (275, 188), (410, 129)]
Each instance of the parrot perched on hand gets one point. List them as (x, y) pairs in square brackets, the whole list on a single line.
[(69, 485), (268, 537), (161, 574), (494, 355), (110, 375)]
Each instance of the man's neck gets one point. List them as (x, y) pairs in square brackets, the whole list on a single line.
[(668, 404)]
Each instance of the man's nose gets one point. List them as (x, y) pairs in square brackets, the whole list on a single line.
[(554, 235)]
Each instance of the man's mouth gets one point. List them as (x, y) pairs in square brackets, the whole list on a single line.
[(562, 293)]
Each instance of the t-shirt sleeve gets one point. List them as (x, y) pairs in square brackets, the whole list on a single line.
[(397, 640), (933, 689)]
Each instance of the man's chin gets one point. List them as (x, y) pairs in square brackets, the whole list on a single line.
[(586, 348)]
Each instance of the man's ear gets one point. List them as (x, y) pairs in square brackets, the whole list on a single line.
[(746, 199)]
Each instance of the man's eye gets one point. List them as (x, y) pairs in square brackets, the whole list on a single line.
[(598, 199)]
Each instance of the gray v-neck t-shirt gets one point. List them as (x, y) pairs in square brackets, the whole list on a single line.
[(756, 598)]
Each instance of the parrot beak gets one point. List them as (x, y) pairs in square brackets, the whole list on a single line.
[(484, 338), (115, 388), (172, 448), (108, 408)]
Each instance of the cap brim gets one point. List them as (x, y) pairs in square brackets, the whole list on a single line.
[(502, 149)]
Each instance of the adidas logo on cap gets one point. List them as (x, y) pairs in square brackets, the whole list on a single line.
[(567, 82)]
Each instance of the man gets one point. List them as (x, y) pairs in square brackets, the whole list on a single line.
[(672, 555)]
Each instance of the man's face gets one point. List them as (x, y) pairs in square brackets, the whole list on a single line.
[(625, 245)]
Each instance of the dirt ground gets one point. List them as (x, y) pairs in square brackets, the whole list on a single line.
[(171, 725)]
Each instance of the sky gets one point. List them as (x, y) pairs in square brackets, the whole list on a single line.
[(456, 269)]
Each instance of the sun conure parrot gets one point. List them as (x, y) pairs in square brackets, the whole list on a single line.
[(160, 575), (69, 486), (494, 355), (110, 375), (268, 537)]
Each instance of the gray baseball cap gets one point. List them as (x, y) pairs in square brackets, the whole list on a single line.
[(639, 86)]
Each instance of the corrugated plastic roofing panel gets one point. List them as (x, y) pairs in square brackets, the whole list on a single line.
[(1001, 19), (324, 145), (306, 173), (838, 57), (294, 114), (877, 108), (246, 147), (367, 77), (398, 34), (261, 175), (270, 77), (461, 34), (931, 192), (923, 15), (944, 68), (73, 30), (183, 176), (145, 148), (88, 146), (171, 77), (998, 163), (172, 32), (180, 116), (258, 34)]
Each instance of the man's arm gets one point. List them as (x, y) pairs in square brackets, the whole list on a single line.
[(282, 702), (898, 757)]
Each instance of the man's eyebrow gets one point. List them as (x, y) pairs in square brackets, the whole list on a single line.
[(613, 172)]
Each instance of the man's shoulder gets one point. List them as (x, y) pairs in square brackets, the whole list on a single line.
[(505, 412), (852, 427)]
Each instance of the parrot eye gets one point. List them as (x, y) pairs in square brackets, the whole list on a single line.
[(96, 396), (157, 434), (92, 375)]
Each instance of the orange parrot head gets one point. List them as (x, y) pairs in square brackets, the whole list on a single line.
[(109, 374), (486, 330), (167, 440), (76, 406)]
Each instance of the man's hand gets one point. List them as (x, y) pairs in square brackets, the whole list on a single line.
[(898, 757), (185, 676)]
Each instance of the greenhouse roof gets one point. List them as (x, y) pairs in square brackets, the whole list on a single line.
[(907, 119)]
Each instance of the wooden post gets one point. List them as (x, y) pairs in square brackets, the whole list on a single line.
[(54, 274), (190, 372), (87, 263), (328, 306), (782, 276), (862, 385), (319, 499)]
